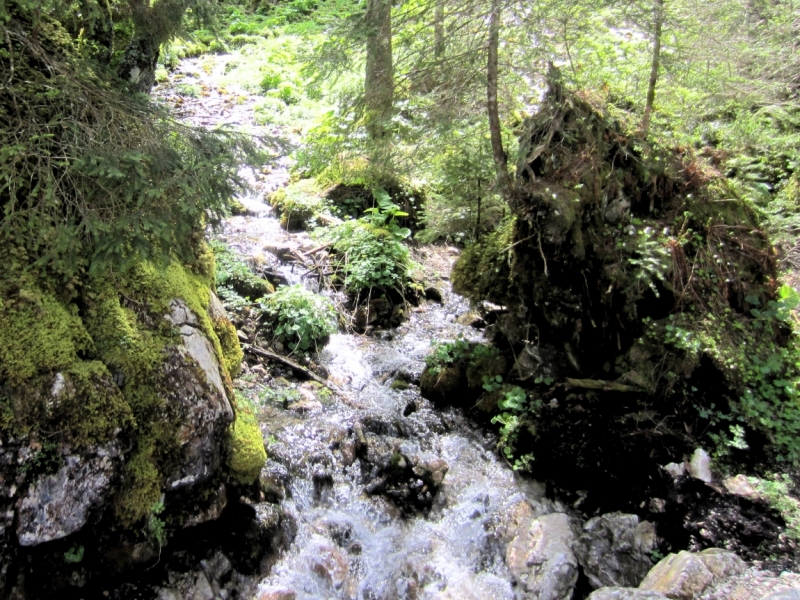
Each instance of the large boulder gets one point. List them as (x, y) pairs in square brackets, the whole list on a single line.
[(196, 390), (111, 414), (541, 557), (613, 550), (684, 576)]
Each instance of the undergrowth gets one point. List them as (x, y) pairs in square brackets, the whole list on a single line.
[(299, 318), (368, 258)]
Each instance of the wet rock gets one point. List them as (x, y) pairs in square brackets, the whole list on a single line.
[(331, 565), (200, 398), (276, 593), (434, 294), (201, 590), (348, 450), (740, 486), (700, 466), (274, 480), (681, 575), (676, 470), (614, 550), (377, 312), (280, 250), (625, 593), (305, 406), (753, 584), (685, 575), (60, 504), (541, 557), (409, 481), (471, 318), (216, 567), (722, 563), (447, 385), (212, 512)]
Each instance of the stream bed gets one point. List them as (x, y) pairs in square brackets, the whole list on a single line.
[(386, 495)]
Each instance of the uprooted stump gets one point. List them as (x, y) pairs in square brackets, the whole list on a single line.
[(644, 311)]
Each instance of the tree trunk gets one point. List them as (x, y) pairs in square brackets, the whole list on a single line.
[(99, 28), (138, 65), (379, 81), (495, 132), (154, 24), (644, 128), (438, 32)]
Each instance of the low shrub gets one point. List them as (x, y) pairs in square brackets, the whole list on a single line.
[(235, 281), (299, 317), (368, 257)]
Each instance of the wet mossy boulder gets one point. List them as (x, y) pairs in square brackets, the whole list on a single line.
[(115, 403), (642, 289), (455, 372)]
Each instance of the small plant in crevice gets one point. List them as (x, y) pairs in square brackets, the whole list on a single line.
[(298, 317), (74, 555), (516, 409), (156, 526)]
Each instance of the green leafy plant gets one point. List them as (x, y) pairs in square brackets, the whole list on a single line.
[(385, 213), (237, 284), (776, 489), (446, 353), (156, 527), (74, 555), (780, 309), (299, 317), (368, 257)]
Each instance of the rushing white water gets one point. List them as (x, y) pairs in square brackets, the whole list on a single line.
[(350, 544)]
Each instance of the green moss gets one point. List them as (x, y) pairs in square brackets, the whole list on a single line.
[(141, 488), (94, 410), (157, 288), (232, 354), (108, 365), (39, 334), (247, 454), (298, 204), (484, 270)]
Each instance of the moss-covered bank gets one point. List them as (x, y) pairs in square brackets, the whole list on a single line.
[(85, 371)]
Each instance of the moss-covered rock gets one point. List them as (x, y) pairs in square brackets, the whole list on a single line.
[(140, 360), (298, 204), (247, 453)]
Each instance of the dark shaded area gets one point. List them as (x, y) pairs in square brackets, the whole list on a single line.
[(250, 537)]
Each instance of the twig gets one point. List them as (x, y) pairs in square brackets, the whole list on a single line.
[(541, 251), (597, 384), (289, 363), (315, 250)]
